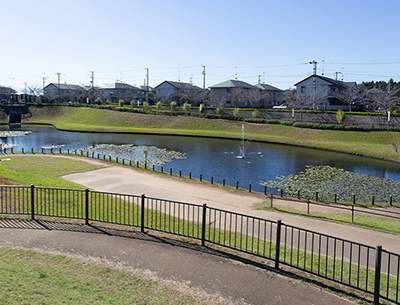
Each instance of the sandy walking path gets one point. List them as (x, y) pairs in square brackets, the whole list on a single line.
[(125, 180)]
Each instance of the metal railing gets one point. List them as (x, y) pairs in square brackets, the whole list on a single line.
[(371, 270)]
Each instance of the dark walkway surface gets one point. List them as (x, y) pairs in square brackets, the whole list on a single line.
[(169, 259)]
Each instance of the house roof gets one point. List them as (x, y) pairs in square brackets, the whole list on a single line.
[(179, 85), (267, 87), (232, 83), (120, 86), (65, 86), (334, 82)]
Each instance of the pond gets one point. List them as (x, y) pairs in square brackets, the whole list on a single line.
[(210, 157)]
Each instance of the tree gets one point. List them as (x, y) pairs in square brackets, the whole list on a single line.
[(381, 98)]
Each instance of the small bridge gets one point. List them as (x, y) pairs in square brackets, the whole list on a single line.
[(15, 112)]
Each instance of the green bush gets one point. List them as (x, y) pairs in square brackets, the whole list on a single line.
[(98, 101), (236, 111), (159, 105), (121, 103), (340, 116), (146, 105), (201, 108), (255, 113), (186, 107), (108, 102), (133, 104), (173, 106)]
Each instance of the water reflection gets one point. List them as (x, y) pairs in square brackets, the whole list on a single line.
[(213, 157)]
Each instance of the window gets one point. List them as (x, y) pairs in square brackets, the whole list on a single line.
[(303, 89)]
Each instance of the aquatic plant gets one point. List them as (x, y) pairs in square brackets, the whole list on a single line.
[(328, 181), (150, 155), (6, 134)]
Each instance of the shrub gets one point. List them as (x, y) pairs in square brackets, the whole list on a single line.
[(186, 107), (108, 102), (218, 110), (133, 104), (340, 116), (159, 105), (98, 101), (121, 103), (146, 105), (255, 113), (173, 106), (236, 111), (201, 108)]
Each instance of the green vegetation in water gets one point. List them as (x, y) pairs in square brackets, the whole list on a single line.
[(28, 277), (151, 155), (328, 181)]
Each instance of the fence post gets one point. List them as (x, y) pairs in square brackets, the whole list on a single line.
[(378, 267), (32, 202), (308, 206), (298, 194), (212, 180), (86, 206), (201, 177), (391, 200), (223, 182), (373, 199), (281, 192), (249, 187), (278, 243), (352, 213), (316, 196), (203, 228), (142, 216), (272, 200), (237, 184)]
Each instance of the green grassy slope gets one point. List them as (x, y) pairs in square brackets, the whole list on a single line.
[(372, 143)]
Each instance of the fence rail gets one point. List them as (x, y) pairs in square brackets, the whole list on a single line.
[(372, 270)]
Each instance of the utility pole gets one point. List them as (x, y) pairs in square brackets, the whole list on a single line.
[(315, 67), (58, 74), (204, 77), (337, 73), (259, 79), (44, 79), (92, 79), (147, 77)]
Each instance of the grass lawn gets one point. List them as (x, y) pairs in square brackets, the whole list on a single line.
[(41, 171), (28, 277)]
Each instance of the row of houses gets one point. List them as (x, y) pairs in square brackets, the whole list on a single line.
[(313, 92)]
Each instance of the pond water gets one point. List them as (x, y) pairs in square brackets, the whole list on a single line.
[(211, 157)]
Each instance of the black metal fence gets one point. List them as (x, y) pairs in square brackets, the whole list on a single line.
[(371, 270), (299, 194)]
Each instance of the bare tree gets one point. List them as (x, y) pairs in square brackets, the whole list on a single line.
[(255, 96), (380, 98), (34, 90)]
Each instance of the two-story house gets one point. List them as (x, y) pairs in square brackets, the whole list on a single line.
[(63, 92), (270, 95), (322, 93), (122, 91), (179, 92)]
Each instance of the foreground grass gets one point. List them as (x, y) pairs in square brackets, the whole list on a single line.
[(28, 277), (41, 171), (378, 144)]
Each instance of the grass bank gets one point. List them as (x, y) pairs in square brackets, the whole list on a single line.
[(28, 277), (369, 143)]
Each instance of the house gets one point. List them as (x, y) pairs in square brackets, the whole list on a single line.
[(323, 93), (271, 96), (122, 91), (233, 93), (179, 92), (64, 92)]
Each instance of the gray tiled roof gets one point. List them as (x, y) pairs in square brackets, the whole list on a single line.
[(267, 87), (232, 83)]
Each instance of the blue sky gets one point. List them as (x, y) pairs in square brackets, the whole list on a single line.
[(247, 40)]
